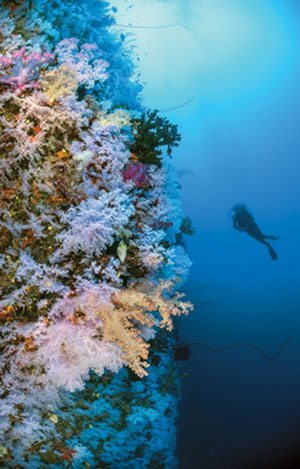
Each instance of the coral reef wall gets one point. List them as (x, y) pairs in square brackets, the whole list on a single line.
[(91, 252)]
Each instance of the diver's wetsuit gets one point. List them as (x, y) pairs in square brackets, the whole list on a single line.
[(243, 220)]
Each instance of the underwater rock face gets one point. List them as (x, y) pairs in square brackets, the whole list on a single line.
[(90, 219)]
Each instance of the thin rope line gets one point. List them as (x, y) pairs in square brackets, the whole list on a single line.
[(243, 345), (165, 26), (178, 107), (209, 441), (214, 285), (205, 303)]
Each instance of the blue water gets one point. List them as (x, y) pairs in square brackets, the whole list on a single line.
[(240, 67)]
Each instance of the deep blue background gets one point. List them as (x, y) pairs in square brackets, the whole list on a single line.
[(241, 141)]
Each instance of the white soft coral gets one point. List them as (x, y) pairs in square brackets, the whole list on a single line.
[(70, 351), (93, 224)]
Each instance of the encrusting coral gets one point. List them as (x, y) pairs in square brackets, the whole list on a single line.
[(89, 213)]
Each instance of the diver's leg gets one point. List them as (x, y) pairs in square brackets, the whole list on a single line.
[(272, 252), (254, 232), (273, 238)]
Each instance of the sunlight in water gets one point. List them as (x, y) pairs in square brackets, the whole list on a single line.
[(232, 47)]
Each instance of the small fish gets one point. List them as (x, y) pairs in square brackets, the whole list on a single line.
[(53, 418), (122, 251)]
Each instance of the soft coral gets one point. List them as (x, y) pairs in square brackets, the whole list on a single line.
[(21, 71), (136, 172)]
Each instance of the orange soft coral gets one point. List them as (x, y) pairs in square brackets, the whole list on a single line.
[(132, 308)]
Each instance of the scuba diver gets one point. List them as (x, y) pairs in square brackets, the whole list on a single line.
[(243, 220)]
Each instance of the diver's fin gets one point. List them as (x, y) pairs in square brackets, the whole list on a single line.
[(272, 252)]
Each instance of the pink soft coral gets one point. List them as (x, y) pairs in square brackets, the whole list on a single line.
[(136, 172), (20, 71)]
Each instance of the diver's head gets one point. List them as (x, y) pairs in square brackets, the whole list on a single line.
[(236, 209)]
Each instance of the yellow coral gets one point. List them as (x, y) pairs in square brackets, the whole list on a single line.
[(132, 307), (59, 83), (119, 118), (119, 328)]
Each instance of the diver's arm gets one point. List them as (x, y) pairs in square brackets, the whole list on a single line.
[(236, 225)]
